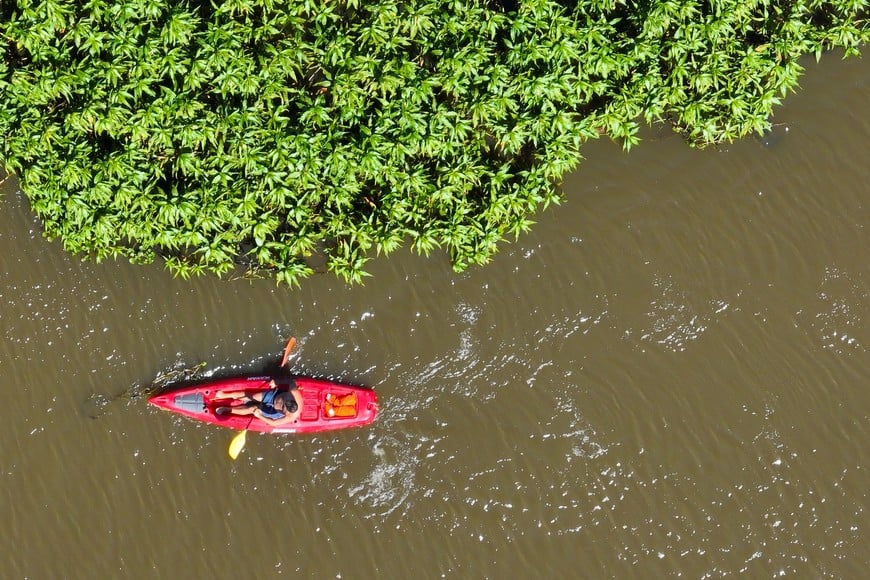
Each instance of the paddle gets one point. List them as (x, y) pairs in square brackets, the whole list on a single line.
[(238, 442), (287, 349)]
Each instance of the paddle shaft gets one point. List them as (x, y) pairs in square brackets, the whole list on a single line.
[(238, 442)]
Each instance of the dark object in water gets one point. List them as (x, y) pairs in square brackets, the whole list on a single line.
[(773, 137)]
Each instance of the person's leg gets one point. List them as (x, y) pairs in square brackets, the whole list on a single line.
[(229, 394), (235, 410)]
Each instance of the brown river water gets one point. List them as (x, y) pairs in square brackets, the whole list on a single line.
[(668, 377)]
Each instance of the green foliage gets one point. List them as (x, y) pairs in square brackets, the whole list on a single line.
[(257, 133)]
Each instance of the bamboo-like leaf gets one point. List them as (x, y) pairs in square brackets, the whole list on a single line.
[(261, 132)]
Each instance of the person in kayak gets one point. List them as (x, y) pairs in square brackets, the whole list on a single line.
[(274, 406)]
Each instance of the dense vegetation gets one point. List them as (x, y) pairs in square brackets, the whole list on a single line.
[(216, 133)]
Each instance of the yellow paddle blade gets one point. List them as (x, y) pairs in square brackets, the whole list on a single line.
[(237, 444)]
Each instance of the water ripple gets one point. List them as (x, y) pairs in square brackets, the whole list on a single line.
[(838, 322)]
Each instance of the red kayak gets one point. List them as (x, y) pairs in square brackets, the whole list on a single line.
[(325, 405)]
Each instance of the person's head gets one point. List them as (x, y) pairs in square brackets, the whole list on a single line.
[(286, 402)]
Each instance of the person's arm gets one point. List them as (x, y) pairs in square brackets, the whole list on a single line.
[(288, 417), (294, 390)]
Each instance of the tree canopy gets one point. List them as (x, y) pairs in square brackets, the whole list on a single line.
[(252, 134)]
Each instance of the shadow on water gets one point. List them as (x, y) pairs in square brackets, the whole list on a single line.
[(98, 404), (774, 136), (168, 380), (180, 376)]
